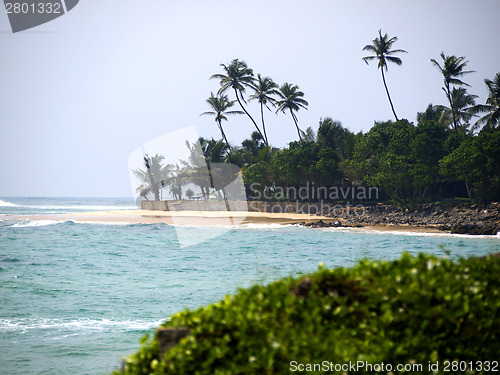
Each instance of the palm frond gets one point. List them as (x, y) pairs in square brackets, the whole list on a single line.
[(208, 113), (370, 47), (395, 60)]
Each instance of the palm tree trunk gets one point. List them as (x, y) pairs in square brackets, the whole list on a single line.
[(222, 132), (248, 114), (228, 208), (468, 190), (296, 124), (154, 187), (263, 125), (448, 94), (387, 90)]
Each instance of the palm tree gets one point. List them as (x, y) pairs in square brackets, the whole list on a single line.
[(452, 68), (332, 134), (309, 135), (238, 76), (177, 180), (291, 99), (492, 119), (381, 47), (154, 176), (195, 170), (264, 89), (253, 145), (220, 105), (431, 113), (221, 174), (215, 151), (464, 105), (203, 166)]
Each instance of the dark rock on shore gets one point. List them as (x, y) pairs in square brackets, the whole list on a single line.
[(453, 216), (473, 229), (331, 224)]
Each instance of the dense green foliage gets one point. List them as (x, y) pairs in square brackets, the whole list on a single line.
[(415, 309), (409, 163), (477, 162)]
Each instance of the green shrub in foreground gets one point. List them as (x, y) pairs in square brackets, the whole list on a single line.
[(415, 309)]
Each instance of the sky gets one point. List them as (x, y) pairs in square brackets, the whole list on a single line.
[(79, 94)]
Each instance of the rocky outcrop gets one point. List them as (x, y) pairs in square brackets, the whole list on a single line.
[(460, 218)]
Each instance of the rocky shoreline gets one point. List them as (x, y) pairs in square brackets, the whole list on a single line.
[(453, 217)]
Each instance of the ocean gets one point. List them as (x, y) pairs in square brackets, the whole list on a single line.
[(76, 297)]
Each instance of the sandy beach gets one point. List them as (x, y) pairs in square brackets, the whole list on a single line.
[(175, 217)]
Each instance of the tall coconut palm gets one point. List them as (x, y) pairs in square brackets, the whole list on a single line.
[(492, 108), (220, 105), (381, 47), (291, 99), (264, 89), (237, 76), (452, 69), (154, 176)]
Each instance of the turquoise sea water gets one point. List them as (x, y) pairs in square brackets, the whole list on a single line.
[(75, 298)]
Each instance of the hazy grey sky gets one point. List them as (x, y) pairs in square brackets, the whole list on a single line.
[(79, 94)]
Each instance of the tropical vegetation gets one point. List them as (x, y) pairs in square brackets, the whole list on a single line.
[(417, 310), (451, 151)]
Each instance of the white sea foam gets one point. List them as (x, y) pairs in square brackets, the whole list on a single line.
[(265, 226), (234, 226), (407, 233), (112, 223), (81, 208), (84, 324), (7, 204), (37, 223), (42, 223)]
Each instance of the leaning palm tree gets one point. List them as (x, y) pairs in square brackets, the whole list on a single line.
[(492, 108), (452, 69), (153, 176), (291, 99), (237, 76), (381, 47), (264, 89), (220, 105)]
